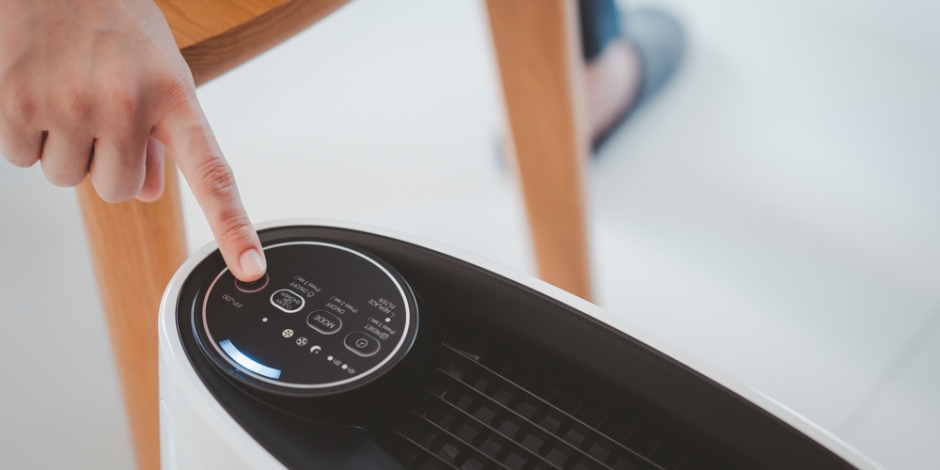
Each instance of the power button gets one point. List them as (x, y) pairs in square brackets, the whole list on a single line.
[(361, 344), (252, 287)]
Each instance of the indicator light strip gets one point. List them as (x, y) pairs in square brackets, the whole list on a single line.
[(248, 362)]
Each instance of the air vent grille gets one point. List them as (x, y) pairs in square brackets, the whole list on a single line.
[(483, 416)]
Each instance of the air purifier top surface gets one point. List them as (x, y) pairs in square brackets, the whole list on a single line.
[(324, 319), (496, 351)]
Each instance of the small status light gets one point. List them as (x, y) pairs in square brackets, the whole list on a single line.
[(388, 320), (344, 366), (265, 319), (329, 358), (287, 333)]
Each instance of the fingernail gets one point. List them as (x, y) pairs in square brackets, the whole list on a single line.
[(253, 265)]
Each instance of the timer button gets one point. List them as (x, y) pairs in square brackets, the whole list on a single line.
[(361, 344), (324, 322), (254, 286), (287, 300)]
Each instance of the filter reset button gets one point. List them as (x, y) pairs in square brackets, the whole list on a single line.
[(361, 344)]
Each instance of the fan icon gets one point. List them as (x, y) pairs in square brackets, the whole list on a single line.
[(301, 341)]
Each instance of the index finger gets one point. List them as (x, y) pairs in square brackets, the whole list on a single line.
[(190, 141)]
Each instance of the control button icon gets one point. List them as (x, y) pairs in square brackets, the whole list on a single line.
[(287, 300), (254, 286), (287, 333), (324, 322), (315, 349), (361, 344), (302, 341)]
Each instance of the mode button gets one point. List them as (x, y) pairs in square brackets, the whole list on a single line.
[(324, 322)]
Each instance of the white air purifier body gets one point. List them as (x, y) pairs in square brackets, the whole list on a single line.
[(367, 348)]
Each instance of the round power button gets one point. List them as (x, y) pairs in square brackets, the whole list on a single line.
[(254, 286)]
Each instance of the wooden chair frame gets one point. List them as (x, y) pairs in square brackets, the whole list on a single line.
[(137, 247)]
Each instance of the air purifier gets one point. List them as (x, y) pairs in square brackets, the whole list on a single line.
[(362, 348)]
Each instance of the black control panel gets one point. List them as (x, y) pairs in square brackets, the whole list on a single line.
[(324, 319)]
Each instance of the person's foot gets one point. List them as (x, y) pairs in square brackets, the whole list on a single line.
[(613, 83), (632, 68)]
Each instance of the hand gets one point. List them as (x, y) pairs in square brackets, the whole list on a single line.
[(98, 87)]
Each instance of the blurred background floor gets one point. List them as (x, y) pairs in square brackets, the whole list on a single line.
[(775, 212)]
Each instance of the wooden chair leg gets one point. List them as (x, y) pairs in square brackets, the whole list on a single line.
[(537, 48), (135, 249)]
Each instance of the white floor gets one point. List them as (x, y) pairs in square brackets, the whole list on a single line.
[(776, 212)]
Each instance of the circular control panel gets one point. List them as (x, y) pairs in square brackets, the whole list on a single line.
[(324, 319)]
